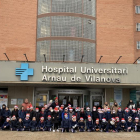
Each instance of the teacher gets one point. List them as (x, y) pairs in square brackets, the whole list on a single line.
[(26, 104)]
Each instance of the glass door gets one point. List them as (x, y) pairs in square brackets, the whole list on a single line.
[(97, 101), (41, 100)]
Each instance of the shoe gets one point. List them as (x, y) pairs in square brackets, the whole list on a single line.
[(57, 130), (53, 130)]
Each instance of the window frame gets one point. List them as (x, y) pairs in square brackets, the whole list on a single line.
[(136, 9)]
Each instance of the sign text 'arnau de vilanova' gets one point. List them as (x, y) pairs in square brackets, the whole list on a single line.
[(89, 74)]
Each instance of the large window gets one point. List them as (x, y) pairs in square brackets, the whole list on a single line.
[(86, 7), (137, 9), (138, 27), (66, 26), (72, 50)]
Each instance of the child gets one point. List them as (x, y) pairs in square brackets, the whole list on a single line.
[(71, 113), (41, 124), (136, 125), (55, 119), (77, 114), (74, 124), (65, 111), (33, 125), (65, 123), (89, 124), (88, 112), (15, 111), (43, 114), (122, 126), (6, 125), (82, 114), (113, 114), (6, 113), (134, 114), (26, 123), (126, 114), (117, 122), (96, 126), (94, 114), (111, 126), (19, 125), (104, 125), (32, 112), (27, 111), (37, 115), (129, 124), (21, 113), (14, 124), (60, 116), (101, 114), (48, 124), (108, 114), (81, 125), (120, 113)]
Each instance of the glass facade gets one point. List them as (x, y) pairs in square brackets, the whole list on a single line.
[(74, 26)]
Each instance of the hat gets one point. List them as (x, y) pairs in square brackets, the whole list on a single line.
[(133, 109), (104, 119), (108, 109), (55, 109), (13, 116), (136, 118), (119, 108), (27, 115), (123, 120), (49, 116), (37, 109), (62, 105), (71, 108), (73, 116), (65, 114), (97, 119), (15, 106), (57, 106), (8, 119), (28, 107), (61, 108), (89, 116), (31, 107), (43, 108), (41, 118), (66, 108), (113, 118), (87, 108), (99, 108), (69, 105), (81, 118)]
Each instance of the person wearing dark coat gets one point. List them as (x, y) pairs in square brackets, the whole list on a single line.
[(131, 105), (55, 119), (43, 114), (134, 114), (94, 114), (0, 117), (108, 115), (41, 124), (48, 124), (6, 113), (60, 116), (111, 125), (136, 125), (101, 114), (19, 125), (122, 126), (82, 114), (89, 124), (66, 123), (129, 124), (21, 113), (37, 115), (74, 124), (77, 114), (126, 114), (81, 125), (32, 113), (88, 112), (33, 125), (104, 125), (27, 111), (120, 113), (26, 123), (55, 103), (65, 111), (96, 126), (13, 124), (6, 125), (15, 111)]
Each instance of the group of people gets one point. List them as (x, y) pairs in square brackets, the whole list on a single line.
[(53, 117)]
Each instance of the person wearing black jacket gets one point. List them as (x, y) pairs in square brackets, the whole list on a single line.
[(14, 123), (82, 114), (33, 125), (74, 124), (136, 125), (96, 126), (48, 124), (55, 119), (104, 125), (32, 113), (19, 125), (81, 125), (89, 124), (94, 114), (15, 111), (37, 115)]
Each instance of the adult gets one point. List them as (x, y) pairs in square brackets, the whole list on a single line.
[(131, 105), (55, 103), (114, 108), (26, 104), (106, 106)]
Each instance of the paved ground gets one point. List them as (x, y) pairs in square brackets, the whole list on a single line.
[(8, 135)]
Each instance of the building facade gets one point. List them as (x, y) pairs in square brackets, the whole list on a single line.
[(70, 37)]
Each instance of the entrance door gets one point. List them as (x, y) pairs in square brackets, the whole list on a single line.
[(97, 101), (41, 100), (74, 100)]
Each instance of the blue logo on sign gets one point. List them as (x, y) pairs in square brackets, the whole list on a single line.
[(24, 72)]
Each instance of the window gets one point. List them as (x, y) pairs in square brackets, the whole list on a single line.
[(137, 9), (138, 26), (138, 44)]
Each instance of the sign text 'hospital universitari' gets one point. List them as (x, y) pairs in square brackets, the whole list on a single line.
[(89, 74)]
